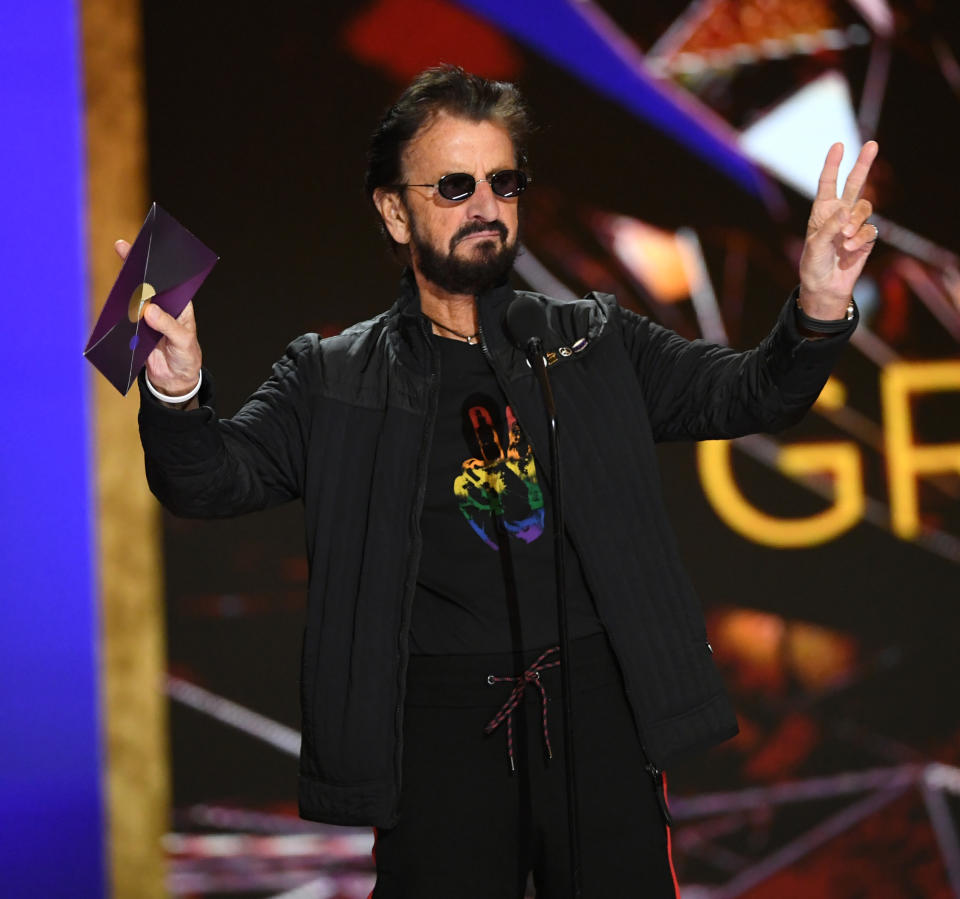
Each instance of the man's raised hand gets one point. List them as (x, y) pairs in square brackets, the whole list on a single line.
[(839, 238), (174, 365)]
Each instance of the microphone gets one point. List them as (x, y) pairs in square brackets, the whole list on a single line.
[(527, 325), (526, 322)]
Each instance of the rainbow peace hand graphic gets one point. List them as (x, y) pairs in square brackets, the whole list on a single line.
[(496, 487)]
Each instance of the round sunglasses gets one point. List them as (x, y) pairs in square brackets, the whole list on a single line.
[(459, 185)]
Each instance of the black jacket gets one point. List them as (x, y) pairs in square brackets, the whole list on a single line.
[(346, 424)]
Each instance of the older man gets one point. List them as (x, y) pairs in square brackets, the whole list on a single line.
[(416, 441)]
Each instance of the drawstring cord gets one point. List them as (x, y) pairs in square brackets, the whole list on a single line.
[(530, 676)]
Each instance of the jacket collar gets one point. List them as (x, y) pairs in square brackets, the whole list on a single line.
[(492, 305)]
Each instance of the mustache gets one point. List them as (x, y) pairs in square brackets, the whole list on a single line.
[(475, 227)]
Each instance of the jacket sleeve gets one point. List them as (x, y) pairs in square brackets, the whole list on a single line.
[(696, 390), (202, 466)]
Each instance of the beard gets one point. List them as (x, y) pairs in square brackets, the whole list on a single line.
[(488, 267)]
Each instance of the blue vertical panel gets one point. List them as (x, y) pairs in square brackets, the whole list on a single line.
[(51, 810)]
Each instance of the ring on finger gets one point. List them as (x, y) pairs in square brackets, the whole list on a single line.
[(876, 233)]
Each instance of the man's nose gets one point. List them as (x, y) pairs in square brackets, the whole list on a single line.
[(482, 204)]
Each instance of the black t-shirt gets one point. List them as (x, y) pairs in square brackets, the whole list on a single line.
[(486, 579)]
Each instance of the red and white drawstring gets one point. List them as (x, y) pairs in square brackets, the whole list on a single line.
[(530, 676)]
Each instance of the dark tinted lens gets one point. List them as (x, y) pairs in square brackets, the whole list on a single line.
[(508, 183), (457, 186)]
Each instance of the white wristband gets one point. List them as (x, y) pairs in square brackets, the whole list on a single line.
[(174, 399)]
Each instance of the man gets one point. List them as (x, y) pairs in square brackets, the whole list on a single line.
[(416, 440)]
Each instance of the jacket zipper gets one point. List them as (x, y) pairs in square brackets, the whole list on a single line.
[(403, 651), (483, 345), (657, 776)]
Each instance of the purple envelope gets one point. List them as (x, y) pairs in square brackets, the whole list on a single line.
[(166, 265)]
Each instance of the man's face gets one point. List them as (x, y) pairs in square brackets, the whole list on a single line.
[(468, 246)]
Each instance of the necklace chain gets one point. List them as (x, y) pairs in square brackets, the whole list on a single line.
[(469, 338)]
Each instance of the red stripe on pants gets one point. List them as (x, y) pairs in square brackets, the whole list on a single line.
[(673, 870)]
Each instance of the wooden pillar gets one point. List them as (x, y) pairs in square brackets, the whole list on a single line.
[(128, 519)]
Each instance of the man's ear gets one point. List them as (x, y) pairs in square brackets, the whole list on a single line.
[(394, 214)]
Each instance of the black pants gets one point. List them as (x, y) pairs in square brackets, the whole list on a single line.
[(471, 829)]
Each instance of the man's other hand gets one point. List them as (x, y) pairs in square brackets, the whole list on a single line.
[(839, 237)]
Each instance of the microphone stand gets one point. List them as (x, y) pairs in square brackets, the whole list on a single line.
[(535, 356)]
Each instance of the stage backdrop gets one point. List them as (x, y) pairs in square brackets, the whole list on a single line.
[(51, 800), (677, 152)]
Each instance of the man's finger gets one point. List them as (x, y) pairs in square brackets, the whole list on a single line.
[(166, 324), (188, 318), (866, 237), (861, 211), (827, 185), (829, 230), (122, 248), (861, 169)]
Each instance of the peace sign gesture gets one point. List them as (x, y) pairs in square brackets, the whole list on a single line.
[(839, 238)]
